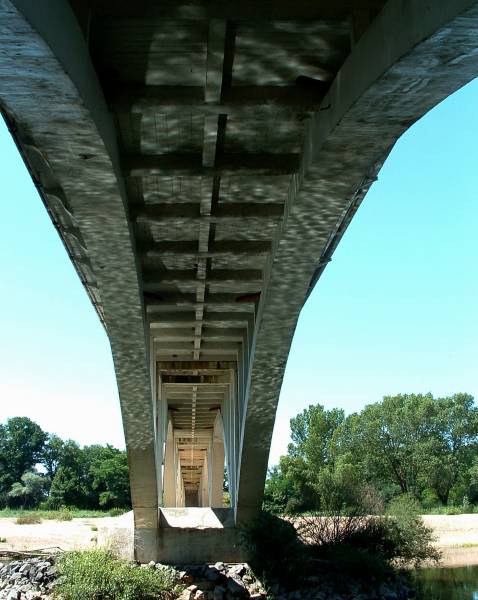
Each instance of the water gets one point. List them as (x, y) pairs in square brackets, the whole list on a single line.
[(447, 584)]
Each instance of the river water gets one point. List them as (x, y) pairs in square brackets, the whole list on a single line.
[(460, 583)]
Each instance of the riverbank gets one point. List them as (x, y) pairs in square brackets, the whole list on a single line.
[(456, 535)]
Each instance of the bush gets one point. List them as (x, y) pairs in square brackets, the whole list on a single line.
[(399, 538), (274, 549), (117, 512), (64, 515), (28, 519), (97, 575), (411, 539)]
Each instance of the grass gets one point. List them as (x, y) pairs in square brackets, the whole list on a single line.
[(450, 510), (97, 574), (74, 513)]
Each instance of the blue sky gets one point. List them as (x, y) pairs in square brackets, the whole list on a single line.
[(395, 311)]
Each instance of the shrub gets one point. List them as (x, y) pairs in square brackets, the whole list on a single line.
[(97, 575), (28, 519), (399, 538), (116, 512), (274, 549), (64, 515)]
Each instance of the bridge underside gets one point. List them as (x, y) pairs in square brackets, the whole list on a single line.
[(201, 162)]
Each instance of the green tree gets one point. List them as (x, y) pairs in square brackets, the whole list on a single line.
[(28, 493), (52, 454), (109, 476), (21, 446), (70, 483)]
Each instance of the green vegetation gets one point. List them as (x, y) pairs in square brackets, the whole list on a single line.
[(96, 574), (56, 515), (29, 518), (407, 445), (355, 544), (40, 470)]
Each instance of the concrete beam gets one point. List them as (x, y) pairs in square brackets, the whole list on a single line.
[(192, 165), (190, 213), (216, 249), (170, 276), (268, 10)]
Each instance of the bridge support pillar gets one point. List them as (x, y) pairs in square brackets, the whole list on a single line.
[(216, 469), (169, 475), (144, 497)]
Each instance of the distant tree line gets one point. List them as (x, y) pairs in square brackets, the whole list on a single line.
[(411, 444), (41, 469)]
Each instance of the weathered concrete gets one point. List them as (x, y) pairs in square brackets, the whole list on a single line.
[(193, 535), (201, 170)]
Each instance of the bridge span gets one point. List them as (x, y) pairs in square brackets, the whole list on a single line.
[(201, 160)]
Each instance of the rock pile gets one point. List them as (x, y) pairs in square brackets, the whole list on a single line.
[(29, 579), (219, 582), (237, 582), (35, 578)]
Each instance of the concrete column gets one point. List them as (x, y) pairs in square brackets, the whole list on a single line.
[(169, 475), (230, 420), (216, 470), (204, 486), (144, 500), (179, 487)]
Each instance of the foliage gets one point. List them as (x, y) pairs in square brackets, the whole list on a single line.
[(275, 551), (393, 540), (97, 575), (28, 518), (54, 514), (30, 492), (21, 444), (91, 477), (116, 512), (411, 539), (407, 444)]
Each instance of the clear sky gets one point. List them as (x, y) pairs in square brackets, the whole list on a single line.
[(395, 311)]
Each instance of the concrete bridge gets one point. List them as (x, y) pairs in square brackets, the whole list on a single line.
[(201, 160)]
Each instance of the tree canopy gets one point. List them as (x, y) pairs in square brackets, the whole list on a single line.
[(40, 468), (410, 444)]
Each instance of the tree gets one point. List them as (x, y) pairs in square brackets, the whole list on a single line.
[(70, 486), (52, 454), (21, 446), (28, 493), (108, 470)]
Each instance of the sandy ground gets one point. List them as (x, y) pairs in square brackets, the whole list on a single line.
[(67, 535), (457, 535)]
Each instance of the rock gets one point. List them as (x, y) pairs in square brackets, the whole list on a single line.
[(220, 566), (13, 595), (199, 595), (235, 587), (151, 564), (213, 573), (237, 570), (275, 589), (219, 592)]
